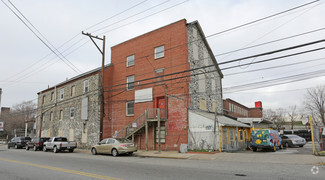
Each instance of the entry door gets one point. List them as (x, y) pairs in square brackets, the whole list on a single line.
[(162, 105)]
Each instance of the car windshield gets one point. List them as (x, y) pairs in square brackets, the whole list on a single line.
[(124, 140)]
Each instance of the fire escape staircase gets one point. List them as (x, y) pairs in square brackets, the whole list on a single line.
[(139, 124)]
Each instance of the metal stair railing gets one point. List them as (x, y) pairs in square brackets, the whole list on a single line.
[(139, 122)]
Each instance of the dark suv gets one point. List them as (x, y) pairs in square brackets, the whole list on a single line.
[(36, 143), (18, 142)]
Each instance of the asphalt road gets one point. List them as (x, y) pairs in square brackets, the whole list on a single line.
[(29, 165)]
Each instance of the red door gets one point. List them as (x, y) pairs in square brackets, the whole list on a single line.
[(162, 105)]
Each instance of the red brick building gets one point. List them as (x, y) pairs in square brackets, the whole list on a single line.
[(237, 110), (151, 73)]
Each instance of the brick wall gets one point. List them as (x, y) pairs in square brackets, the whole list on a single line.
[(174, 39)]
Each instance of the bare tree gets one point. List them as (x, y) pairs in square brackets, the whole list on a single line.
[(293, 115), (275, 116), (19, 115), (315, 102)]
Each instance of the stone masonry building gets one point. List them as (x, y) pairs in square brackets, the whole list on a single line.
[(72, 109)]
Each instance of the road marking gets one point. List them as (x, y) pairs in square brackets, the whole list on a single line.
[(62, 170)]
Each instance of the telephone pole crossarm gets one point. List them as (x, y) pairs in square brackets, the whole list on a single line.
[(96, 37)]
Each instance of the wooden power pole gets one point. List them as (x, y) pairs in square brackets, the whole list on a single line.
[(102, 107)]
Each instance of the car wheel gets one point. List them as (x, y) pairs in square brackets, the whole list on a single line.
[(93, 151), (286, 145), (16, 147), (8, 147), (254, 149), (71, 150), (55, 149), (35, 148), (44, 149), (114, 152), (27, 148)]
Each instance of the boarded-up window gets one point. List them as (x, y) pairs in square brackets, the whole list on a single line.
[(84, 108)]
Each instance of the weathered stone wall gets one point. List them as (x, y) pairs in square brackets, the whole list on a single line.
[(84, 132), (205, 87)]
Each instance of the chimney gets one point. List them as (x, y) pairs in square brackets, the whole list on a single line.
[(258, 104)]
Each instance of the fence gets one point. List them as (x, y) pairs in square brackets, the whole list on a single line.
[(319, 138)]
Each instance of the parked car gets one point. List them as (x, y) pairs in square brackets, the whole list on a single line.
[(59, 144), (265, 139), (36, 143), (18, 142), (114, 147), (291, 140)]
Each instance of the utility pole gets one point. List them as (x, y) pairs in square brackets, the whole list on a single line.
[(102, 107)]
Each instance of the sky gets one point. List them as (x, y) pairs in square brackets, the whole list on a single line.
[(27, 66)]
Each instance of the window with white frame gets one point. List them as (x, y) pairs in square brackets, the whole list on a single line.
[(159, 52), (61, 94), (72, 113), (130, 82), (86, 86), (130, 108), (130, 61)]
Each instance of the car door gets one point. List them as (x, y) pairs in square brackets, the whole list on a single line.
[(109, 146), (11, 143), (101, 147)]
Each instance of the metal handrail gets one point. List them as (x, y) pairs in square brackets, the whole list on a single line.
[(139, 122)]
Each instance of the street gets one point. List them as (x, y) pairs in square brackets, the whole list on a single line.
[(21, 164)]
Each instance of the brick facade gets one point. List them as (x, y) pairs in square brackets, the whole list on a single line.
[(237, 110), (180, 54)]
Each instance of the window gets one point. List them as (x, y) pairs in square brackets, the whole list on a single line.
[(51, 116), (130, 61), (241, 135), (61, 94), (61, 114), (72, 113), (52, 96), (86, 86), (159, 52), (130, 108), (73, 90), (43, 99), (130, 82)]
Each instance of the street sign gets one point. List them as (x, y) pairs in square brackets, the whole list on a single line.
[(1, 125)]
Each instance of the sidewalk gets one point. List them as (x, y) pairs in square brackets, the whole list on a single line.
[(238, 157)]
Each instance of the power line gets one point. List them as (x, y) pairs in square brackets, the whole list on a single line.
[(37, 35), (230, 61), (269, 42), (261, 19), (274, 67)]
